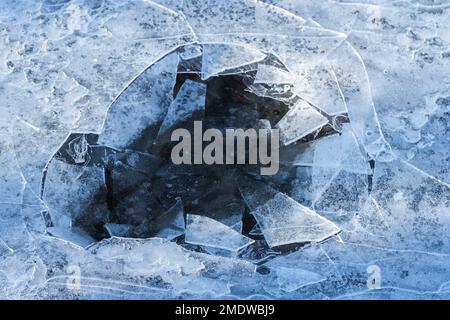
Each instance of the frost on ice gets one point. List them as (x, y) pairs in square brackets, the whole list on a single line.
[(90, 91)]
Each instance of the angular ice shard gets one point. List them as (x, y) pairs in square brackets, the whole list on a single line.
[(320, 87), (292, 279), (118, 230), (353, 81), (283, 220), (219, 57), (74, 235), (342, 152), (336, 151), (207, 232), (142, 106), (171, 223), (189, 104), (69, 191), (301, 120), (269, 74)]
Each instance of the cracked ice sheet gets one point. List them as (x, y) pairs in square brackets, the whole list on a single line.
[(320, 87), (408, 210), (63, 76), (416, 46), (340, 151), (262, 26), (353, 80)]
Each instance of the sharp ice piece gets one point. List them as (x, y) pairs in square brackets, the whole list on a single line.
[(74, 235), (255, 231), (258, 252), (283, 220), (268, 74), (204, 231), (118, 230), (171, 223), (292, 279), (338, 152), (189, 103), (341, 151), (320, 87), (71, 189), (301, 120), (219, 57), (141, 106)]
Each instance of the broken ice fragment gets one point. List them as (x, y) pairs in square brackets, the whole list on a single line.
[(171, 223), (320, 87), (337, 151), (353, 80), (141, 106), (282, 220), (189, 102), (208, 232), (255, 231), (74, 235), (268, 74), (291, 279), (301, 120), (118, 230), (219, 57), (70, 190)]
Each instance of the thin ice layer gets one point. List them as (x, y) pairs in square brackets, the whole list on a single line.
[(185, 271), (301, 120), (204, 231)]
